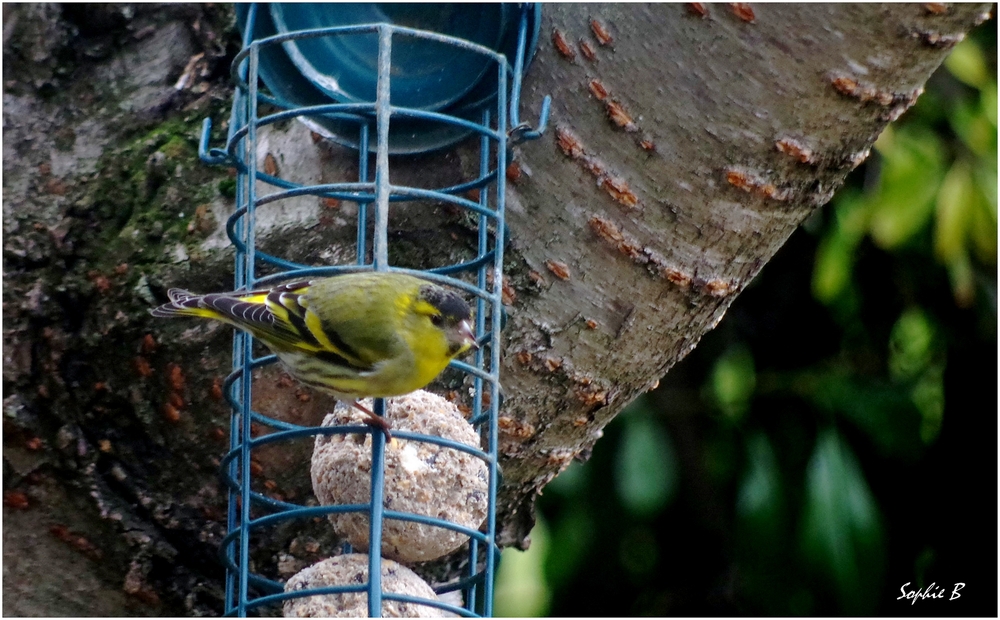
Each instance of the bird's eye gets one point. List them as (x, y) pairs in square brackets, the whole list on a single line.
[(437, 320)]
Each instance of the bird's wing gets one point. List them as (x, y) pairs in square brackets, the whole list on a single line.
[(291, 314), (359, 316), (278, 316), (258, 312)]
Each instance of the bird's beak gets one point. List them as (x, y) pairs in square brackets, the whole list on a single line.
[(465, 328)]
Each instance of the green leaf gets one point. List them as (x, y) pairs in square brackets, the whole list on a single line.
[(835, 254), (983, 225), (988, 102), (963, 280), (928, 396), (966, 224), (954, 210), (973, 126), (760, 501), (521, 589), (733, 382), (762, 538), (911, 172), (834, 266), (645, 466), (841, 536), (967, 63), (912, 345)]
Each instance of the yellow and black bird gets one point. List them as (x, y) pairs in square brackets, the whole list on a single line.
[(372, 334)]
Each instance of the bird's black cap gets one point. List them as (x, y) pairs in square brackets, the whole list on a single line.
[(448, 302)]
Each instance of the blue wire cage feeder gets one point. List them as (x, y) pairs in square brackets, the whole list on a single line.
[(374, 65)]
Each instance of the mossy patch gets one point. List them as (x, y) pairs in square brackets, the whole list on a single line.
[(147, 195)]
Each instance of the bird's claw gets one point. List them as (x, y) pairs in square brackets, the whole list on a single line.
[(375, 421)]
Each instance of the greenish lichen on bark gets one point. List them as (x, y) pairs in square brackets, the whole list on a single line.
[(97, 174)]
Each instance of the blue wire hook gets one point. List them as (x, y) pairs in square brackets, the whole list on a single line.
[(522, 131), (212, 157)]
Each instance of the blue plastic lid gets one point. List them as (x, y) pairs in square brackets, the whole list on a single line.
[(291, 88), (426, 74)]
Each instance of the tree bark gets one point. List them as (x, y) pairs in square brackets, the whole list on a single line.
[(685, 146)]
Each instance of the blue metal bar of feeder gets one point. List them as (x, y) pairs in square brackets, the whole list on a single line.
[(240, 153)]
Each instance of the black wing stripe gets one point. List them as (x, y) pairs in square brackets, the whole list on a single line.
[(338, 342), (338, 360), (284, 296), (295, 313)]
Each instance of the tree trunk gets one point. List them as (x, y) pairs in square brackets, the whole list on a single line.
[(685, 146)]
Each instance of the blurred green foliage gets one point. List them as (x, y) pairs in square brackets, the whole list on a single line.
[(806, 458), (522, 589), (645, 466), (841, 532)]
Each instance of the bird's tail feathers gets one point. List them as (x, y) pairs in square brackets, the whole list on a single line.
[(179, 295), (183, 303)]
